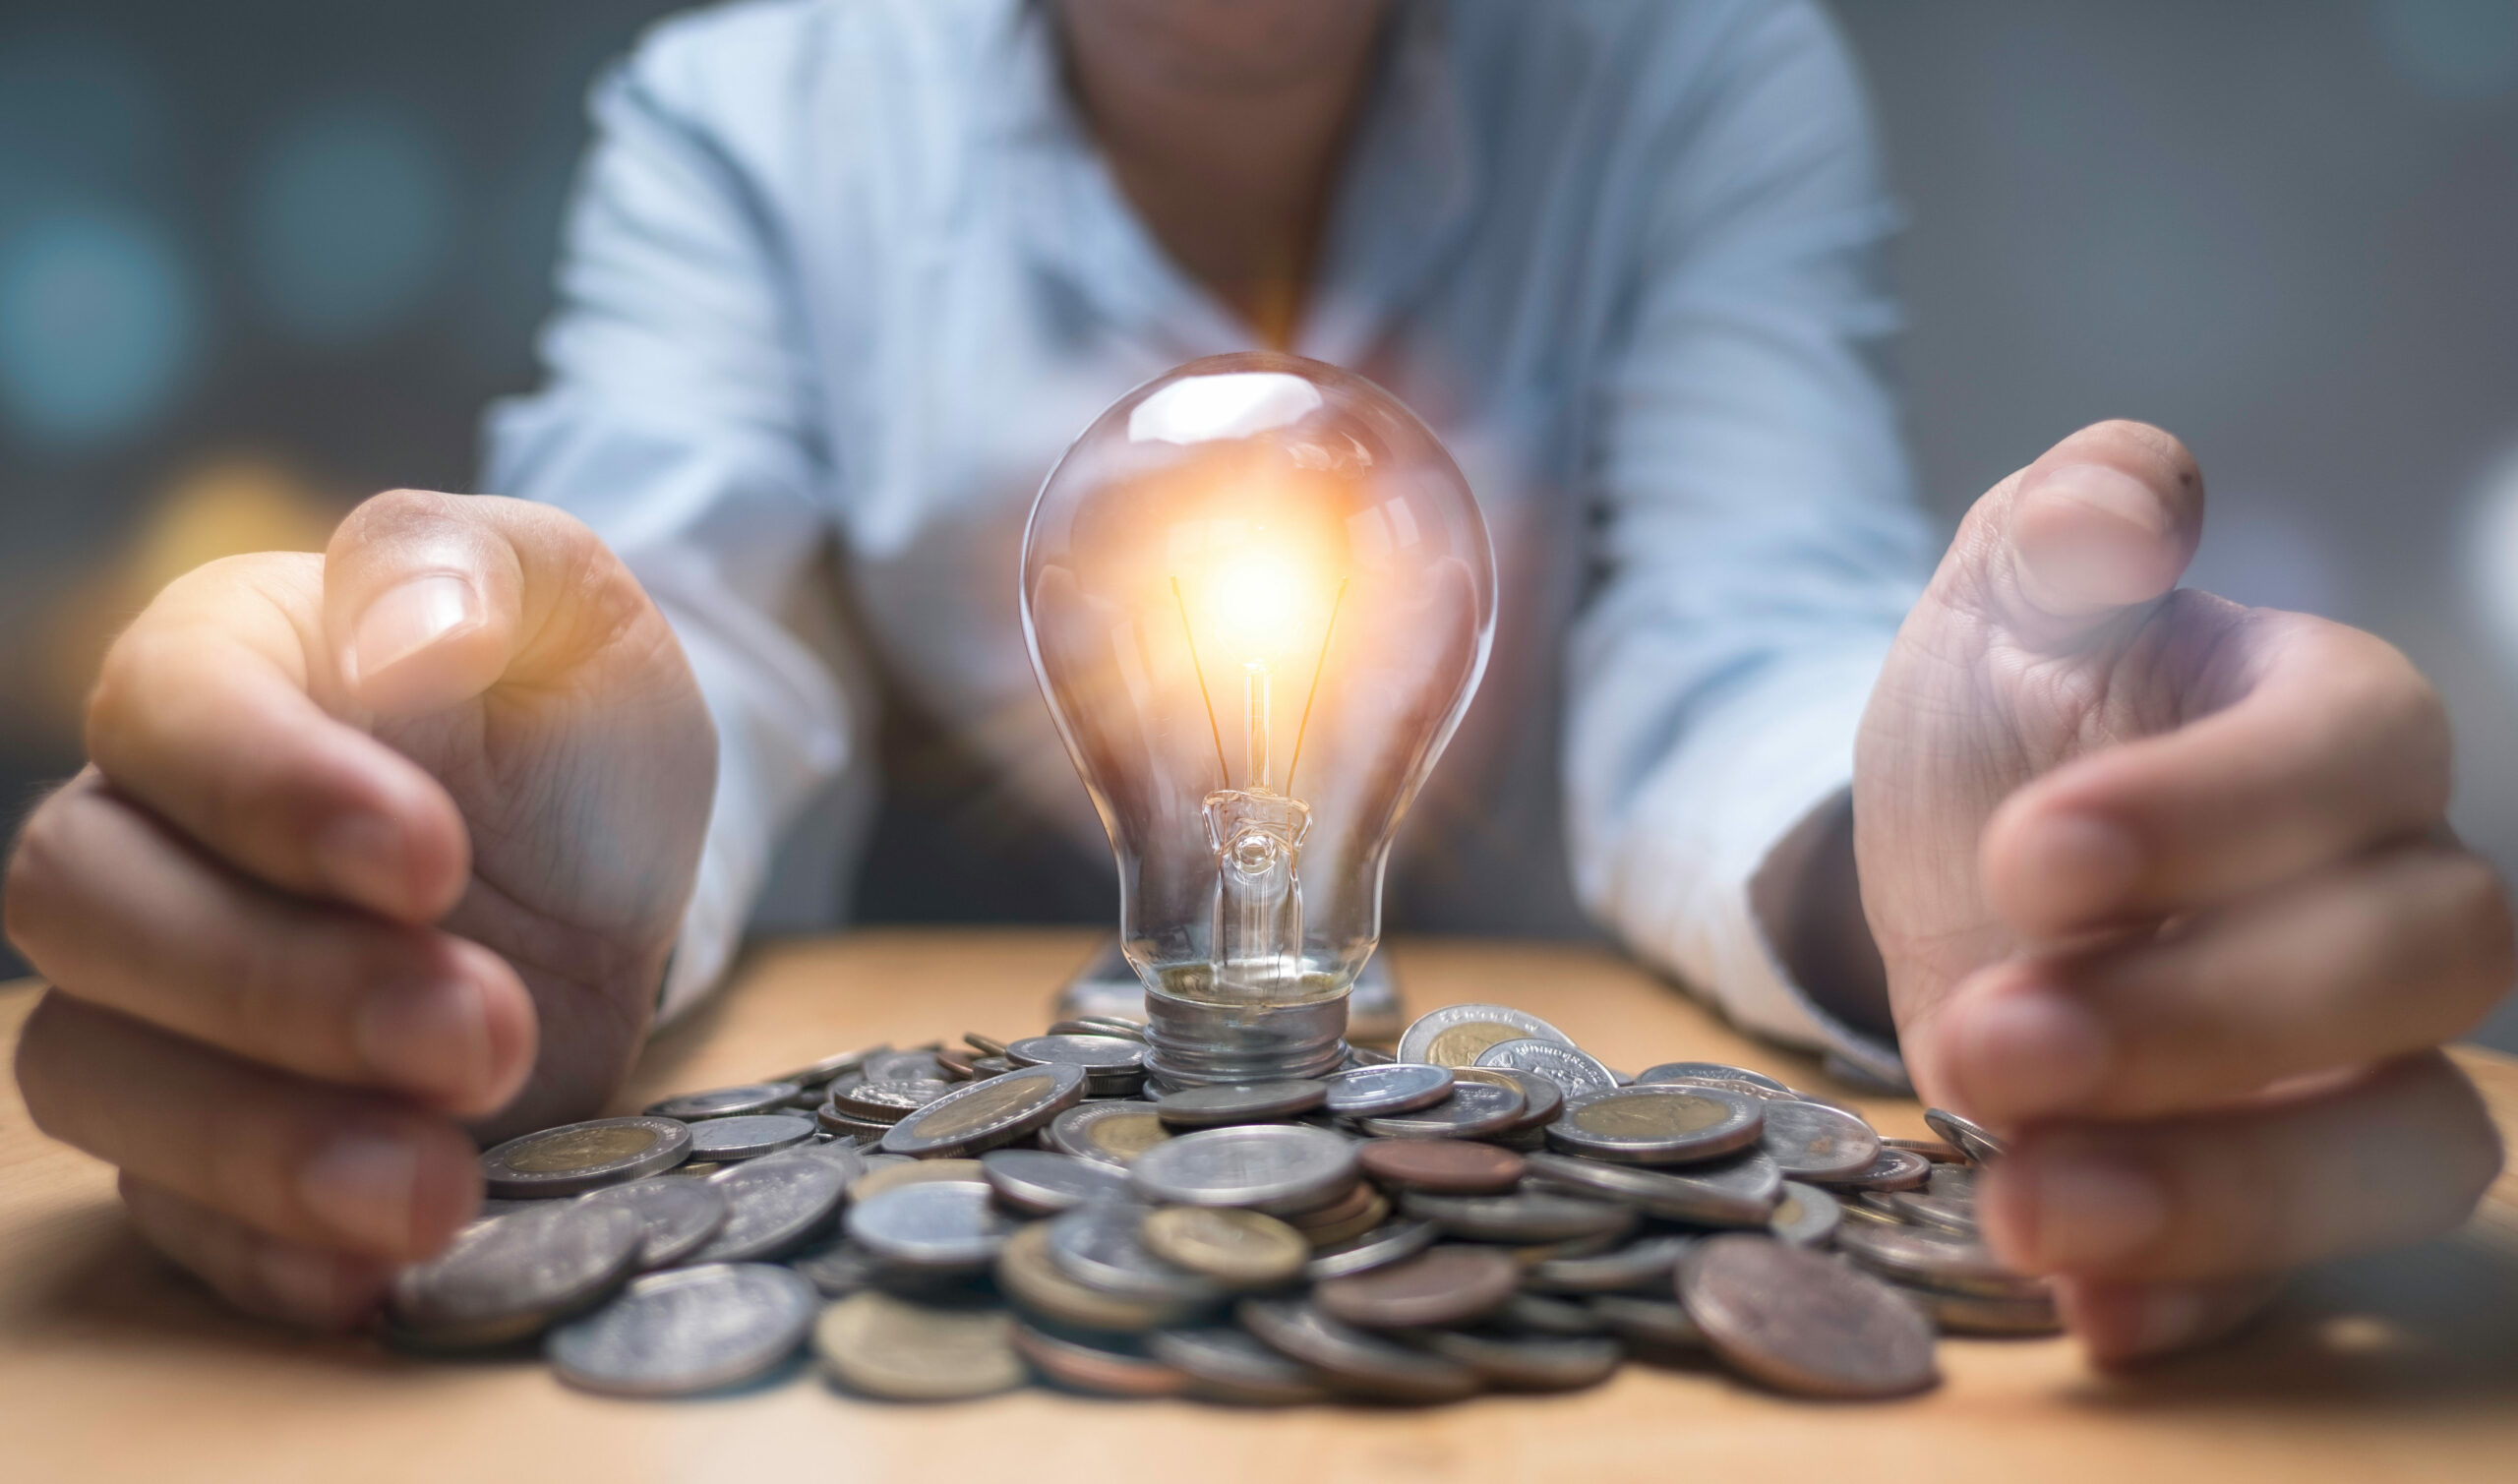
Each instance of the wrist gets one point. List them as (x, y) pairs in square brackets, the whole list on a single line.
[(1806, 898)]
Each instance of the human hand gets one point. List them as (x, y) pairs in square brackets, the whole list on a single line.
[(2164, 893), (374, 848)]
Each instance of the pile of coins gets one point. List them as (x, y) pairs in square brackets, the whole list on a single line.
[(1492, 1207)]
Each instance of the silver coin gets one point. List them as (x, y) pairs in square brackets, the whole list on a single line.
[(1543, 1099), (744, 1135), (1454, 1035), (917, 1064), (680, 1333), (887, 1101), (1698, 1071), (1353, 1359), (1635, 1267), (1100, 1025), (775, 1203), (505, 1277), (725, 1103), (1655, 1326), (839, 1154), (1569, 1067), (1397, 1087), (1733, 1196), (834, 1121), (575, 1158), (1225, 1364), (1932, 1259), (1526, 1362), (1810, 1141), (1522, 1217), (676, 1215), (1978, 1314), (1956, 1214), (1095, 1053), (1538, 1314), (839, 1269), (1226, 1104), (831, 1068), (1098, 1246), (1894, 1169), (1391, 1242), (1661, 1123), (985, 1114), (1805, 1216), (1043, 1182), (1474, 1109), (1973, 1141), (1272, 1168), (1952, 1182), (932, 1224)]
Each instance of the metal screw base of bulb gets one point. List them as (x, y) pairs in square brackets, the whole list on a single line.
[(1194, 1042)]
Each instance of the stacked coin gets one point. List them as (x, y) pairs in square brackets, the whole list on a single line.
[(1493, 1209)]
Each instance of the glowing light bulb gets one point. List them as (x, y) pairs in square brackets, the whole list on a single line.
[(1259, 596)]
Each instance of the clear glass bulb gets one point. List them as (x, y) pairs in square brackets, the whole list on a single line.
[(1259, 596)]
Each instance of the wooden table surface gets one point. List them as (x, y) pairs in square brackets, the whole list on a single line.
[(2402, 1366)]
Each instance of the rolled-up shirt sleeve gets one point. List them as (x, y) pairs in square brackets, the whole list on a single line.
[(1758, 538), (675, 421)]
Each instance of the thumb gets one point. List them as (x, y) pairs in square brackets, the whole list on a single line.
[(429, 600), (2105, 520)]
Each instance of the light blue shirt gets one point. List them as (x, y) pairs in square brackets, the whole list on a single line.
[(844, 276)]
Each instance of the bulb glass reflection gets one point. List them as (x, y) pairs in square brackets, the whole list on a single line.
[(1259, 596)]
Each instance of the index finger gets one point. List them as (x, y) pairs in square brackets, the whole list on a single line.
[(2308, 741)]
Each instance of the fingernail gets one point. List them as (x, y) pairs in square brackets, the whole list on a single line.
[(364, 857), (2085, 859), (2026, 1051), (408, 618), (362, 1185), (2091, 1211), (432, 1038), (2105, 489)]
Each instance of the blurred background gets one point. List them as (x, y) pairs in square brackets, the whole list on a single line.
[(260, 258)]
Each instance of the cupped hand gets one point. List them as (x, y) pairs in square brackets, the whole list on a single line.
[(2164, 894), (378, 852)]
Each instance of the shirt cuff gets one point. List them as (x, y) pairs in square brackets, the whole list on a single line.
[(1704, 822)]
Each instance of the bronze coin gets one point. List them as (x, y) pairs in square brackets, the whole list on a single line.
[(1442, 1286), (1446, 1167), (1375, 1211), (1806, 1324), (1102, 1369), (1340, 1207)]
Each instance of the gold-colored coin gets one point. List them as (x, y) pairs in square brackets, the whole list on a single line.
[(1461, 1045), (875, 1182), (1240, 1249), (1667, 1115), (984, 1105), (1029, 1275), (1125, 1136), (884, 1346), (582, 1147)]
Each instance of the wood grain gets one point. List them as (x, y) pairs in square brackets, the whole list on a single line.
[(2402, 1366)]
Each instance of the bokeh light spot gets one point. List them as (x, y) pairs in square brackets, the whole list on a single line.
[(97, 323), (2451, 49), (350, 214)]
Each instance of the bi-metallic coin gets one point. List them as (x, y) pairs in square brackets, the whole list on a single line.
[(1239, 1249), (885, 1347), (985, 1114), (1455, 1035), (743, 1136), (1811, 1141), (582, 1156), (1569, 1067), (1665, 1123), (1226, 1104)]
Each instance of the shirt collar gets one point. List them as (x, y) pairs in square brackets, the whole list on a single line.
[(1403, 199)]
